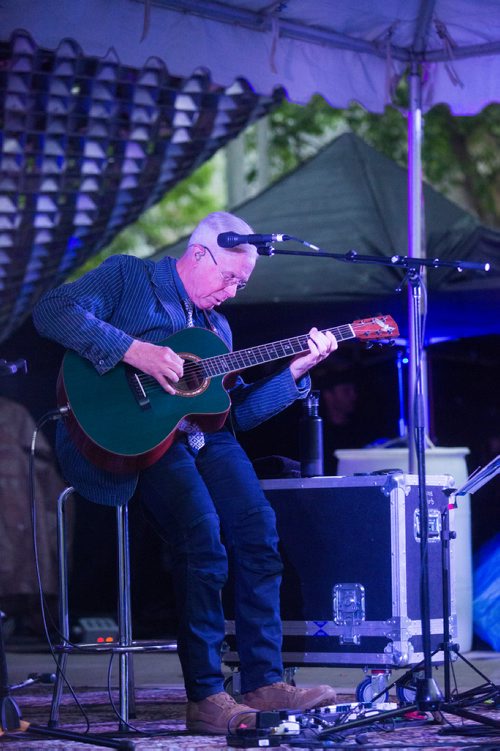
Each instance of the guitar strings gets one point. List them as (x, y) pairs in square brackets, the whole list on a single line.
[(244, 358), (199, 367)]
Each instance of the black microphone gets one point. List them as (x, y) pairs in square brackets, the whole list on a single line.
[(230, 239)]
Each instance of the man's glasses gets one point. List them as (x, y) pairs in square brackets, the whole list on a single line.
[(227, 277)]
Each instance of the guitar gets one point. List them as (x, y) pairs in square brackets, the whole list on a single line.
[(124, 421)]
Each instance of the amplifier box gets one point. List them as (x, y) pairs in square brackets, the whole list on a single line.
[(352, 568)]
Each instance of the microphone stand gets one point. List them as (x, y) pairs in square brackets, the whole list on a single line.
[(428, 695)]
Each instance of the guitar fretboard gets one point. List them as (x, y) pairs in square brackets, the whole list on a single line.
[(246, 358)]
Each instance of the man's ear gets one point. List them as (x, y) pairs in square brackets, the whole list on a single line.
[(199, 251)]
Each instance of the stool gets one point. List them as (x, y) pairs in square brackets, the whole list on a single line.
[(125, 646)]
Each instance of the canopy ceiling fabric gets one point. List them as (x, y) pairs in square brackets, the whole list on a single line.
[(347, 50), (87, 145), (351, 197)]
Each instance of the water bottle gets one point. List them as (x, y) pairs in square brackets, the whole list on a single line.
[(311, 437)]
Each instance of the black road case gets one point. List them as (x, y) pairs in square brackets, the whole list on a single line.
[(351, 584)]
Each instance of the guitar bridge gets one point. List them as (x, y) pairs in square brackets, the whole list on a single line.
[(137, 389)]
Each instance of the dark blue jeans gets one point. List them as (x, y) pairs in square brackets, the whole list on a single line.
[(194, 498)]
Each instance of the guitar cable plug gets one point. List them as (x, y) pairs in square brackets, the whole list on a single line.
[(56, 414)]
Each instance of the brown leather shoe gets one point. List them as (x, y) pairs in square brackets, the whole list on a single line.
[(284, 696), (217, 715)]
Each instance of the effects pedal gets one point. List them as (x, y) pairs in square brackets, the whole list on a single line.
[(253, 739), (337, 714), (272, 729), (95, 630), (355, 706)]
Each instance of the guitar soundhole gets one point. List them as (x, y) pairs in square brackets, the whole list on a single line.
[(194, 381)]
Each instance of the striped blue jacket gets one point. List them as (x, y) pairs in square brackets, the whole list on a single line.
[(99, 315)]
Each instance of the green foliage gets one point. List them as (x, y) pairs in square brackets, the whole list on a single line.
[(175, 215), (297, 132), (460, 155), (463, 153)]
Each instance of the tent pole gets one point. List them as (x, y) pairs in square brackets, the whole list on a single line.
[(415, 250), (428, 694)]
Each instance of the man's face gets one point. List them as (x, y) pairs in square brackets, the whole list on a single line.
[(217, 274)]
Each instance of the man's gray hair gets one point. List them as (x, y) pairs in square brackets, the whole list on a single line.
[(216, 223)]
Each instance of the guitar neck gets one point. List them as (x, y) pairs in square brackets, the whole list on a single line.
[(246, 358)]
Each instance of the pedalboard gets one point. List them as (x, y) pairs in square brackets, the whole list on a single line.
[(286, 726)]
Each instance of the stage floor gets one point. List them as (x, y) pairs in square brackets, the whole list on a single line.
[(153, 670), (161, 704)]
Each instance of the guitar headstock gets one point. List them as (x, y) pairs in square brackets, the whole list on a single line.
[(378, 327)]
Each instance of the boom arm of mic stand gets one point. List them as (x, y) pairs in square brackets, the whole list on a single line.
[(352, 256)]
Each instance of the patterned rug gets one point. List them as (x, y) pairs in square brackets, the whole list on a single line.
[(159, 724)]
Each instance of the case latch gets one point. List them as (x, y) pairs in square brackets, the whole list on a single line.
[(349, 610), (434, 525)]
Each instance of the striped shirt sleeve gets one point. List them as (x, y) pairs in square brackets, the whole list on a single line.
[(75, 316)]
